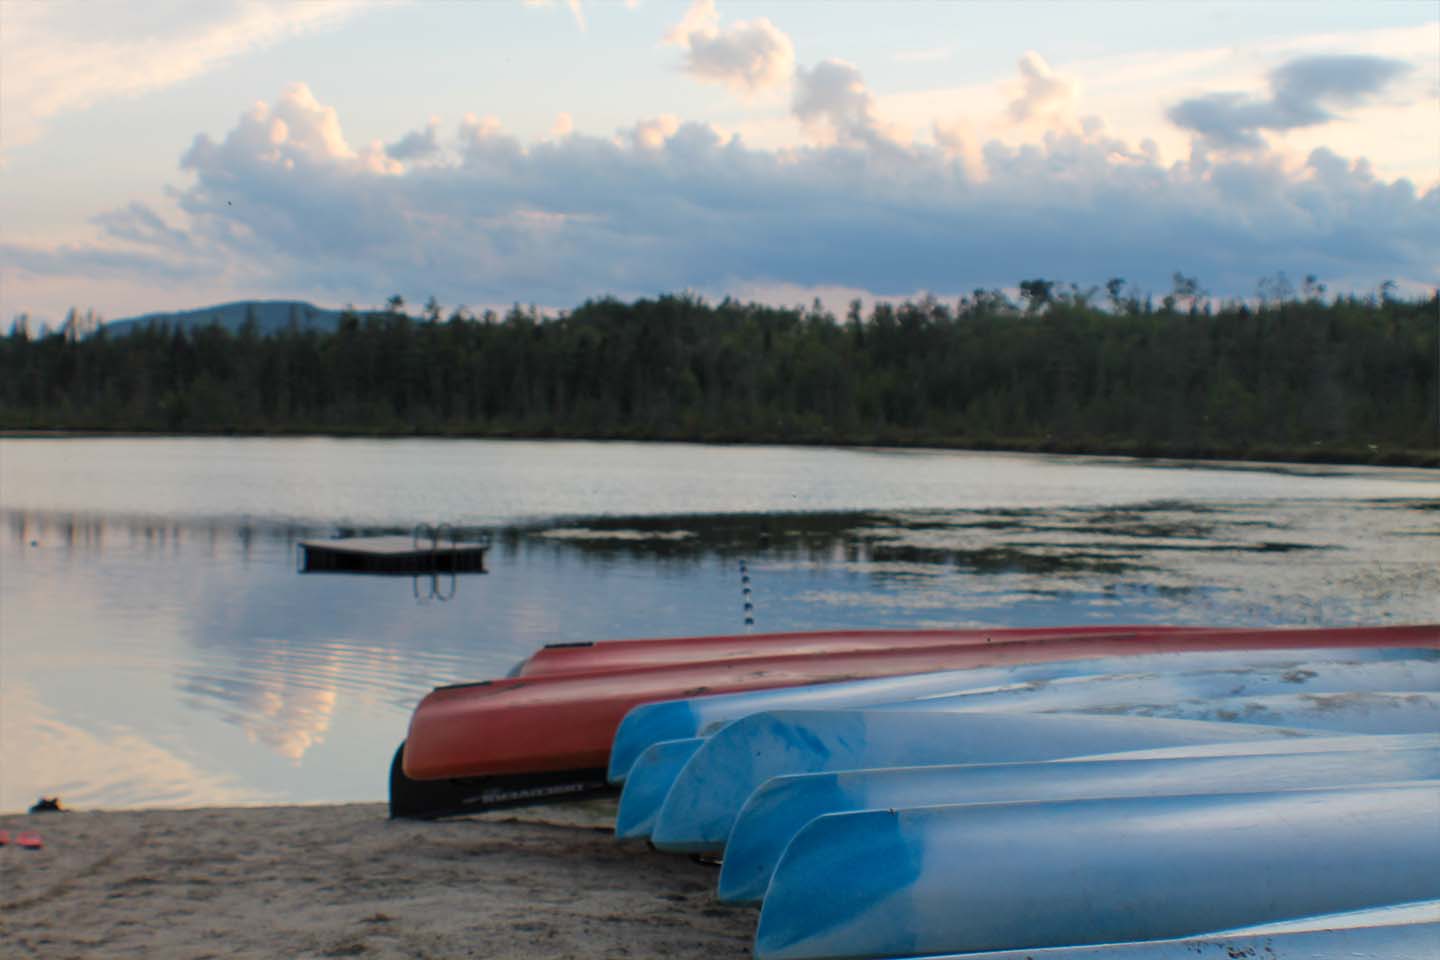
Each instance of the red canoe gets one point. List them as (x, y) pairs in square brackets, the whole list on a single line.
[(524, 739), (593, 657)]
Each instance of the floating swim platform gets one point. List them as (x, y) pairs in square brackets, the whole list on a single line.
[(390, 554)]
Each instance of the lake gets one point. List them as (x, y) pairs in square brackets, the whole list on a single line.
[(158, 645)]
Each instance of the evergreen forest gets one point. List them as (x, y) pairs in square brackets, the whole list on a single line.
[(1345, 379)]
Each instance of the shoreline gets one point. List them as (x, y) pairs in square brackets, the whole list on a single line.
[(1250, 457), (344, 880)]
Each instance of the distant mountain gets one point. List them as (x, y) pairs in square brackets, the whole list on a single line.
[(271, 316)]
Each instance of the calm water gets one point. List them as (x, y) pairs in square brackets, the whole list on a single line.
[(158, 646)]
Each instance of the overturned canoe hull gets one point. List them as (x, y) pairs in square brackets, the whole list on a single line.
[(701, 805), (782, 806), (1130, 684), (671, 651), (691, 717), (1400, 932), (958, 879)]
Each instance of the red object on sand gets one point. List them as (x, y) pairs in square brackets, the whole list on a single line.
[(4, 837), (563, 723), (30, 840)]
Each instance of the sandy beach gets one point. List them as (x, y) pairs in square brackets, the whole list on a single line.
[(344, 881)]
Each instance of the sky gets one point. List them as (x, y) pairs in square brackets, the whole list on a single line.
[(175, 154)]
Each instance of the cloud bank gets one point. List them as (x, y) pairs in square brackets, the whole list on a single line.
[(283, 201)]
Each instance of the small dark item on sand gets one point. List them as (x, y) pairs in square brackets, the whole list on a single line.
[(48, 805)]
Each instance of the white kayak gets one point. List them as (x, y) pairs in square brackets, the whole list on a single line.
[(684, 718), (1402, 932), (783, 805), (714, 784), (969, 878)]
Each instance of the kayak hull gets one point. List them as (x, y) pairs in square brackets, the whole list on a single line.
[(782, 806), (683, 718), (1401, 941), (957, 879), (703, 802)]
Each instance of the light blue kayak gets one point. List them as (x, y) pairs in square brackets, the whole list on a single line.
[(1402, 932), (714, 784), (1311, 744), (1377, 712), (783, 805), (1099, 690), (654, 774), (681, 719), (1352, 712), (968, 878), (649, 780)]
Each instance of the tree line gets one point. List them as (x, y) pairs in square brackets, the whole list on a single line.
[(1296, 377)]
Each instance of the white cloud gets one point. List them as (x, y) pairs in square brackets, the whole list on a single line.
[(1043, 92), (959, 142), (1132, 91), (63, 56), (564, 125), (297, 130), (650, 134), (748, 57), (834, 103)]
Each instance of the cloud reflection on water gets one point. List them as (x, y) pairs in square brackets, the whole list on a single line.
[(40, 753), (288, 709)]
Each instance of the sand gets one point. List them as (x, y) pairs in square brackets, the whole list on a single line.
[(344, 881)]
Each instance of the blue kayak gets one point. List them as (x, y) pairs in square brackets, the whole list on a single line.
[(783, 805), (649, 781), (1099, 690), (969, 878), (1360, 711), (1401, 932), (1322, 713), (680, 719), (714, 784)]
